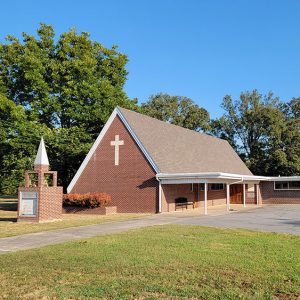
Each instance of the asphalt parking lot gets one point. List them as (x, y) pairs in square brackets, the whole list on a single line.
[(275, 218)]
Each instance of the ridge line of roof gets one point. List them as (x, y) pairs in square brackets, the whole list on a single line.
[(173, 125)]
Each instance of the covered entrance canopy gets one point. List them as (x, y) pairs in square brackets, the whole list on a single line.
[(237, 188)]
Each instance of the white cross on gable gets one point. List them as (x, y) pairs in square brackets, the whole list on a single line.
[(117, 143)]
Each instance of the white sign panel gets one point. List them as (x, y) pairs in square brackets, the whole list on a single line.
[(28, 204)]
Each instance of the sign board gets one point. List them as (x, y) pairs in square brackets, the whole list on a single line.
[(28, 204)]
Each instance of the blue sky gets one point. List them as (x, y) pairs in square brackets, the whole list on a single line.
[(199, 49)]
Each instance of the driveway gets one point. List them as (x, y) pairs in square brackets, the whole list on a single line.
[(275, 218)]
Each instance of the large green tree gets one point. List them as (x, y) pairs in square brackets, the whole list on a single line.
[(263, 130), (18, 140), (287, 150), (68, 85), (177, 110)]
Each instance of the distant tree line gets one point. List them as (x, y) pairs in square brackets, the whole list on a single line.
[(64, 89), (263, 130)]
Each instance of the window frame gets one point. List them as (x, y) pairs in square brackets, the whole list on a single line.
[(288, 184), (222, 189)]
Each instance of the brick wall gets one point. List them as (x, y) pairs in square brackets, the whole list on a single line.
[(215, 197), (172, 191), (271, 196), (50, 203), (132, 184), (250, 195)]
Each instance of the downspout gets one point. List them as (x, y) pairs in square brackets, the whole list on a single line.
[(159, 195)]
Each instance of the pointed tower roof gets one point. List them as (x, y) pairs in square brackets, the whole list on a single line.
[(41, 156)]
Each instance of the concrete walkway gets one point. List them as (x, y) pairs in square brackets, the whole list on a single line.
[(45, 238), (275, 218)]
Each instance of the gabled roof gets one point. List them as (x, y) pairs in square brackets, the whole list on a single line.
[(178, 150), (172, 149)]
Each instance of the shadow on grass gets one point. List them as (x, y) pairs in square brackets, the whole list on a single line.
[(8, 204), (11, 197), (8, 219)]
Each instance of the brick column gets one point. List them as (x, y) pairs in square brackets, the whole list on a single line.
[(54, 179), (27, 181), (41, 179)]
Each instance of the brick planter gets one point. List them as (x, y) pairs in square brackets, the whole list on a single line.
[(109, 210)]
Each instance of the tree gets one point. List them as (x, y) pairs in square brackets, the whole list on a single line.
[(177, 110), (261, 129), (286, 158), (18, 141), (292, 109), (71, 82), (67, 87)]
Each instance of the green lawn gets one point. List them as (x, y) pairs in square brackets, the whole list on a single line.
[(160, 262), (10, 227)]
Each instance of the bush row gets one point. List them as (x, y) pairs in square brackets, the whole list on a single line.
[(87, 200)]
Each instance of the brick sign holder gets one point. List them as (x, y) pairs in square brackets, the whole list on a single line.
[(40, 199)]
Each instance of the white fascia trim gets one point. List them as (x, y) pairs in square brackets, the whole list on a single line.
[(99, 139), (139, 143), (285, 178), (208, 175), (92, 150), (207, 180), (197, 175)]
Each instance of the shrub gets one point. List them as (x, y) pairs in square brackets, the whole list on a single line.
[(87, 200)]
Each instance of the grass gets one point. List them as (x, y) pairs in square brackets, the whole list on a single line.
[(159, 262), (10, 227)]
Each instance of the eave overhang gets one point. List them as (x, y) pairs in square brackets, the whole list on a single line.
[(208, 177)]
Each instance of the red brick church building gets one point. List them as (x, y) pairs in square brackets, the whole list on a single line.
[(147, 165)]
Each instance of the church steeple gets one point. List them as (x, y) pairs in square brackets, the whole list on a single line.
[(41, 160), (40, 199)]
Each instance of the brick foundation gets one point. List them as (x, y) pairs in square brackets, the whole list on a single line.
[(109, 210)]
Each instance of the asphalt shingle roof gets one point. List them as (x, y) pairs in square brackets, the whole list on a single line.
[(178, 150)]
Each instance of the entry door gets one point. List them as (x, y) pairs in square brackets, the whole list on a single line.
[(236, 194)]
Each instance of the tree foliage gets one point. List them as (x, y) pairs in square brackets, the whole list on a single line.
[(178, 110), (264, 131), (64, 88), (18, 140), (71, 82)]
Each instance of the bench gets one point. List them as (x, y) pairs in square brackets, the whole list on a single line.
[(183, 202)]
